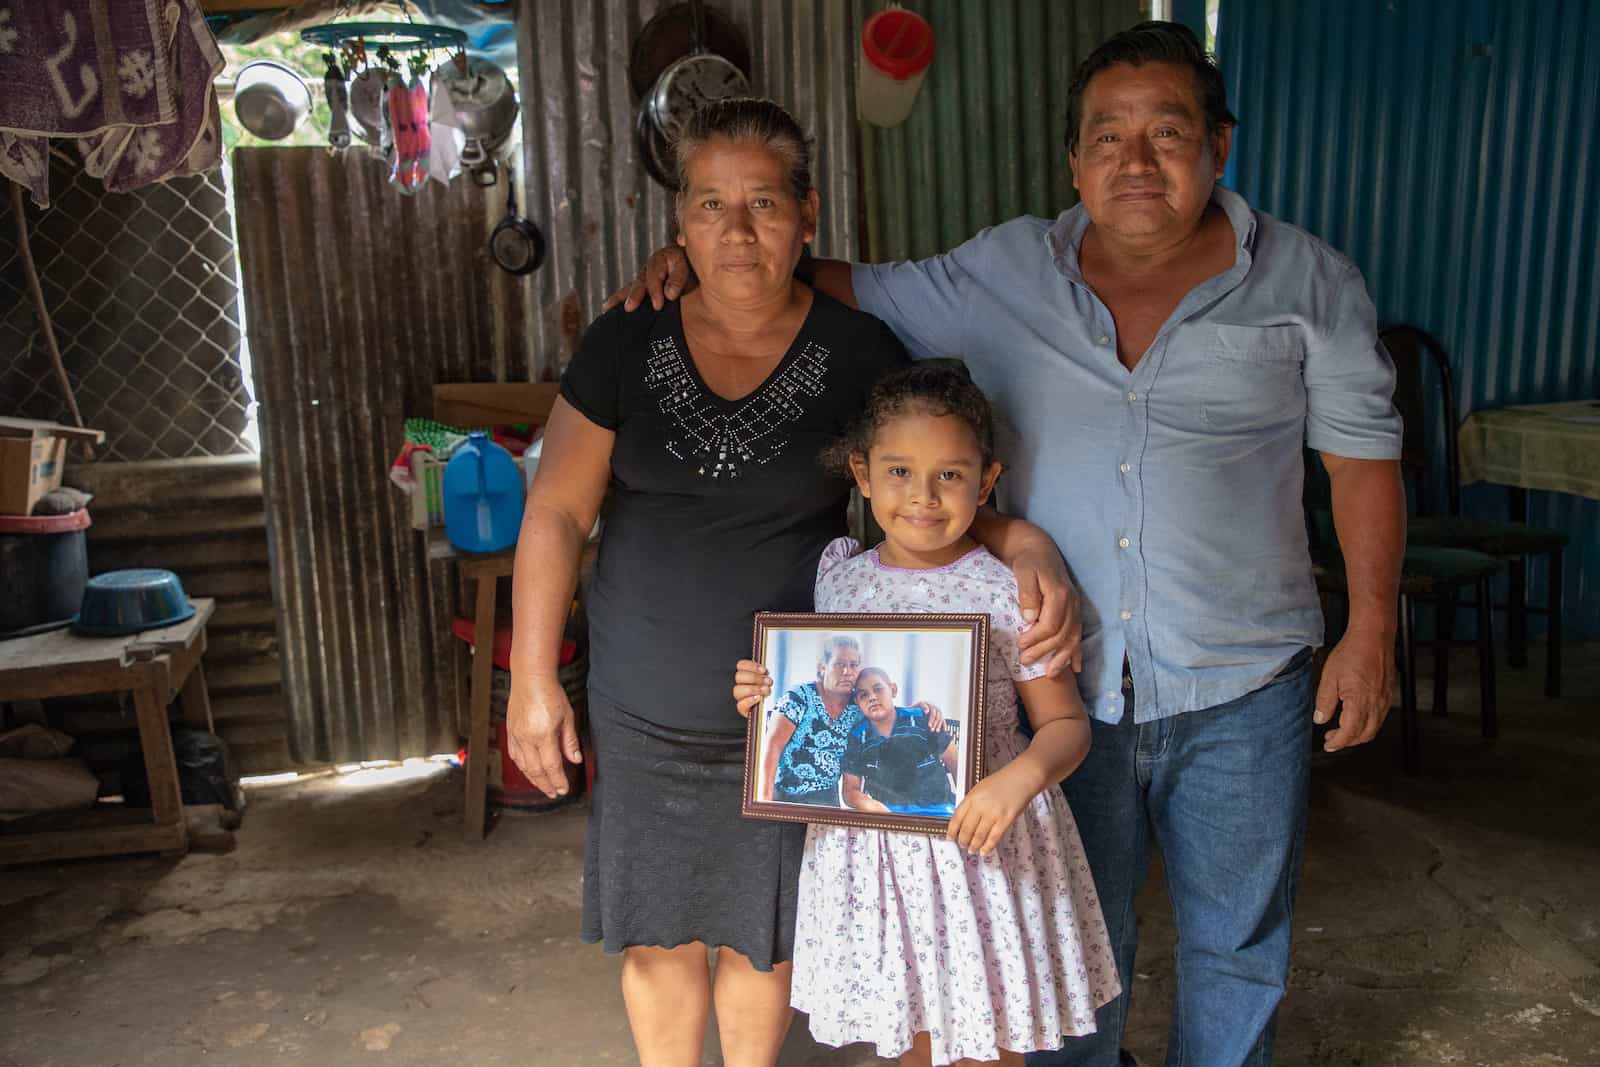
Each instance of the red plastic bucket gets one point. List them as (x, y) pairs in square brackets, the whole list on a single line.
[(509, 789)]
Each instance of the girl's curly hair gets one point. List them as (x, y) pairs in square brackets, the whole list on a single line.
[(934, 387)]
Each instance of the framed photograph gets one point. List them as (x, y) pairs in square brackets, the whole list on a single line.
[(873, 720)]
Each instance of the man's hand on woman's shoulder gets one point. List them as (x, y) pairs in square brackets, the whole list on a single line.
[(664, 276)]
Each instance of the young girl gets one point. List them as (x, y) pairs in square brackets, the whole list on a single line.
[(987, 943)]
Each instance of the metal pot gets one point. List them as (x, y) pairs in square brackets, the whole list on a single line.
[(485, 103), (270, 99)]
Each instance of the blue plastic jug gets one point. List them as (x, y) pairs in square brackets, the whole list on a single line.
[(482, 496)]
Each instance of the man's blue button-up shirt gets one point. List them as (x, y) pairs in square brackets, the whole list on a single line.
[(1174, 489)]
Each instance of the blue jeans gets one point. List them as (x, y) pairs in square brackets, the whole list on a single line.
[(1222, 793)]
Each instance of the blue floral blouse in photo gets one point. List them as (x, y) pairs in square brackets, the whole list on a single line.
[(809, 764)]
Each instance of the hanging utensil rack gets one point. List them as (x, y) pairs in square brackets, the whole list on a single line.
[(395, 36)]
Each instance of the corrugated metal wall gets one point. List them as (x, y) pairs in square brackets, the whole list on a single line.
[(202, 518), (983, 142), (1453, 151), (587, 188), (358, 300)]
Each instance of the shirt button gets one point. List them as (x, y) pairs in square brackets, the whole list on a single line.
[(1112, 696), (1104, 339), (1132, 396), (1126, 615), (1124, 542), (1125, 468)]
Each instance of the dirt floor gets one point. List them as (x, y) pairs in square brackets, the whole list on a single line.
[(1448, 919)]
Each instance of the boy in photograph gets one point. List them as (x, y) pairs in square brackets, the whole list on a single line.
[(894, 763)]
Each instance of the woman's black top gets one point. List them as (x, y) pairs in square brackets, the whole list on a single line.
[(716, 508)]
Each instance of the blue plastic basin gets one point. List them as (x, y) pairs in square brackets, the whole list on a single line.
[(125, 602)]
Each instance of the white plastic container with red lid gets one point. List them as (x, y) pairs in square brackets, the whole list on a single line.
[(896, 49)]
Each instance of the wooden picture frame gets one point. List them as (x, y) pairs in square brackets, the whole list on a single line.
[(878, 762)]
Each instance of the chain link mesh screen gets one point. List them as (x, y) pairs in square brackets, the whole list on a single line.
[(140, 288)]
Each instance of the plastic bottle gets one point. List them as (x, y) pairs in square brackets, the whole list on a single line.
[(482, 496), (896, 49)]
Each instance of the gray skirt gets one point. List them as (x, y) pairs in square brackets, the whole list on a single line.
[(669, 858)]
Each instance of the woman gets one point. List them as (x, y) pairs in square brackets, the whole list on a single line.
[(810, 724), (704, 421)]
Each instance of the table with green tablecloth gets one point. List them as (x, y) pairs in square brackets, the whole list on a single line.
[(1554, 447), (1534, 446)]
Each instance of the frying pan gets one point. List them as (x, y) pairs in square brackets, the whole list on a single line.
[(516, 243)]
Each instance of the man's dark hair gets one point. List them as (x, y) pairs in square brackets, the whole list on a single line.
[(1152, 42)]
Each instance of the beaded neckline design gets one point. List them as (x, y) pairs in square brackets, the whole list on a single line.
[(724, 439)]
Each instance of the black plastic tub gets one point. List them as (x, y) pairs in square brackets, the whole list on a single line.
[(44, 565)]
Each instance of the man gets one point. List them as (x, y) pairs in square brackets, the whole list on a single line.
[(1162, 354)]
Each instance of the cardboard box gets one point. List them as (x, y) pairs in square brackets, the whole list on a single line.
[(29, 468), (33, 456)]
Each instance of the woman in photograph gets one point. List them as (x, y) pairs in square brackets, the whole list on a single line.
[(808, 729), (699, 425)]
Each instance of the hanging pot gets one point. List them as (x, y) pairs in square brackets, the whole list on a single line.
[(654, 152), (671, 35), (690, 84), (684, 58), (516, 243), (485, 103), (270, 100)]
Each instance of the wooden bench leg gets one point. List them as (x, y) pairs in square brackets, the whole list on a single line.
[(194, 700), (476, 811), (160, 765)]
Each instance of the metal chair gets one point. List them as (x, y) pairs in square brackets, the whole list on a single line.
[(1510, 543), (1432, 575)]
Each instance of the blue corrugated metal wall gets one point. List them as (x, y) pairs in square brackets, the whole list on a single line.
[(1453, 151), (983, 141)]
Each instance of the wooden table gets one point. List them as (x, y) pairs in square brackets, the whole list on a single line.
[(486, 571), (155, 666)]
